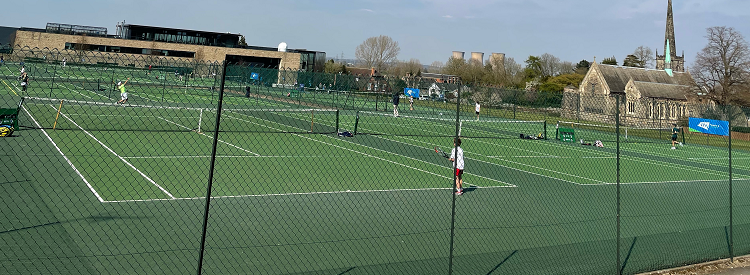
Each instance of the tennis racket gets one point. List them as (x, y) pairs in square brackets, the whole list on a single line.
[(440, 151)]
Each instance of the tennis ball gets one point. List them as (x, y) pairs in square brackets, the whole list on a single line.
[(441, 114)]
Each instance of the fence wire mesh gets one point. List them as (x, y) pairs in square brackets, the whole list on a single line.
[(112, 156)]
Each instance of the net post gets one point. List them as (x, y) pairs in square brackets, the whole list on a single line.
[(58, 115), (312, 120), (200, 121), (337, 121), (356, 123), (545, 129)]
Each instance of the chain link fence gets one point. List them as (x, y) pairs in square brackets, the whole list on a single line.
[(133, 164)]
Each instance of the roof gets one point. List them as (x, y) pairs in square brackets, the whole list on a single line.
[(181, 30), (617, 77), (659, 90)]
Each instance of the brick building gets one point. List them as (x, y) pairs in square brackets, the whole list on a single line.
[(156, 42)]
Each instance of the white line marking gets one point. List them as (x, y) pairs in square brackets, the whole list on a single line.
[(118, 156), (404, 165), (227, 143), (430, 149), (308, 193), (187, 157), (674, 181), (65, 157)]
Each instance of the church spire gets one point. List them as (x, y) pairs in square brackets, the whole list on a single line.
[(670, 48)]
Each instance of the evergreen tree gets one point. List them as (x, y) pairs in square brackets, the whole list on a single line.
[(610, 61)]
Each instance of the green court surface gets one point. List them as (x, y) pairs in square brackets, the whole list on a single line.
[(120, 189)]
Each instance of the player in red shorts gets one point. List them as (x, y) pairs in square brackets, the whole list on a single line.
[(457, 155)]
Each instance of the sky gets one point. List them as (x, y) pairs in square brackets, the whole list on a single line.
[(427, 30)]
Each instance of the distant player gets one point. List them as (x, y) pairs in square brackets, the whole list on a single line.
[(675, 131), (476, 109), (24, 81), (457, 155), (411, 103), (64, 61), (395, 104), (123, 92)]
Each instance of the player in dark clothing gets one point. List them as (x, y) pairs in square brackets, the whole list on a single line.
[(395, 104), (24, 81), (675, 131)]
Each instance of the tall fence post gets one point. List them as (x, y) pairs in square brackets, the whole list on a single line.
[(617, 130), (731, 208), (211, 169), (453, 184)]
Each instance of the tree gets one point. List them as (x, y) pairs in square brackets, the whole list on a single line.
[(242, 41), (610, 61), (722, 68), (645, 55), (549, 65), (583, 67), (632, 61), (377, 52)]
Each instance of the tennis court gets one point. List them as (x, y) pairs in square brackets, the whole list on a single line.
[(126, 185)]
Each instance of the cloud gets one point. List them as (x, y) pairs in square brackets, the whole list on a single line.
[(367, 10), (447, 16)]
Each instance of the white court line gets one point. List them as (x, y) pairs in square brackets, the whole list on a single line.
[(91, 188), (304, 194), (118, 156), (674, 181), (188, 157), (227, 143), (511, 185), (69, 89), (588, 150), (554, 157), (496, 164), (355, 151)]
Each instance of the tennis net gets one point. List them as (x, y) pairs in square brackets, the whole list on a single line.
[(64, 114), (381, 123), (593, 132)]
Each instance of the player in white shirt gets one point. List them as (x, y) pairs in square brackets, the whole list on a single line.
[(476, 108), (457, 155)]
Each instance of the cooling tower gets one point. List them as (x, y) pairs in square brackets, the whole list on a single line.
[(498, 61), (477, 57), (458, 55)]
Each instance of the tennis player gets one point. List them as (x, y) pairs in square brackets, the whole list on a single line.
[(411, 103), (123, 92), (457, 155), (675, 131), (395, 104), (476, 109)]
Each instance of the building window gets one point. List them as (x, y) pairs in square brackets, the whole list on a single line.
[(631, 107)]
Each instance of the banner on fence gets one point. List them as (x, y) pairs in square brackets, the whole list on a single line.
[(254, 76), (709, 126), (411, 92)]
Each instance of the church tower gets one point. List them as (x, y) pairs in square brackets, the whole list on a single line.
[(670, 61)]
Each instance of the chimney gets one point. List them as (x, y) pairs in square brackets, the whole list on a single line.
[(372, 71)]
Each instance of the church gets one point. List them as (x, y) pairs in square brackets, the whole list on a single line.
[(652, 97)]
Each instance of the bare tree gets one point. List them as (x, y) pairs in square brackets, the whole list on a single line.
[(722, 68), (513, 72), (436, 67), (645, 55), (549, 65), (377, 52)]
